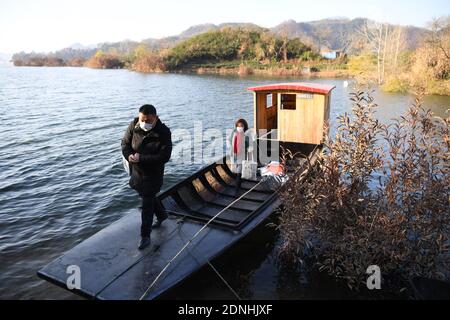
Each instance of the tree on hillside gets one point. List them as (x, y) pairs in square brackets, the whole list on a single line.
[(440, 35), (145, 60), (386, 42), (228, 44), (102, 60), (431, 66)]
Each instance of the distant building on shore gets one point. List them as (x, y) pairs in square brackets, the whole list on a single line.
[(331, 54)]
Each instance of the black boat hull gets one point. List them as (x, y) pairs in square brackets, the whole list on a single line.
[(111, 266)]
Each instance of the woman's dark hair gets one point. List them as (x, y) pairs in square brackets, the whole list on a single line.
[(242, 121), (148, 109)]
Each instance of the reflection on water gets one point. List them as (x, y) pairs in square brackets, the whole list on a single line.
[(61, 178)]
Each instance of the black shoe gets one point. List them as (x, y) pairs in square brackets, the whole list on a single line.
[(145, 242), (158, 223)]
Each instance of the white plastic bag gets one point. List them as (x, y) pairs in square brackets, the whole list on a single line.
[(126, 165), (249, 169)]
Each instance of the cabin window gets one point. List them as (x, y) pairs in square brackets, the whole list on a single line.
[(288, 101), (269, 99)]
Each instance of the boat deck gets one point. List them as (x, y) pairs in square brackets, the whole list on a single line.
[(112, 267), (212, 190)]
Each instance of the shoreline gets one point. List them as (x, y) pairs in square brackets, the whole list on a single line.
[(248, 71), (245, 71), (276, 72)]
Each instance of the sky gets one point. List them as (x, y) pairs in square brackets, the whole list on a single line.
[(49, 25)]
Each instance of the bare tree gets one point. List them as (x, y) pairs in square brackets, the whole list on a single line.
[(440, 35), (385, 49), (399, 43), (386, 42), (372, 33)]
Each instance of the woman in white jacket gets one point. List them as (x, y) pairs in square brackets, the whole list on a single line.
[(240, 143)]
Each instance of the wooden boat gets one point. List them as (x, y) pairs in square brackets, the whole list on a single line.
[(111, 266)]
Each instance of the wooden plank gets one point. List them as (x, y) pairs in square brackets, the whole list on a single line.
[(305, 123), (214, 182), (261, 114), (221, 174), (189, 198), (229, 191), (240, 204), (251, 196), (230, 218), (232, 215)]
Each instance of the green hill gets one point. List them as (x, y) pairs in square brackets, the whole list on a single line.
[(231, 44), (338, 33)]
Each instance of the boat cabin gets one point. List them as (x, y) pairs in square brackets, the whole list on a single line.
[(291, 112)]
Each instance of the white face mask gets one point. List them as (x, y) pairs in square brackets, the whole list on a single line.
[(146, 126), (240, 129)]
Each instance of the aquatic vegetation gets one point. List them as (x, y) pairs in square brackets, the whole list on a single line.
[(103, 60), (378, 196)]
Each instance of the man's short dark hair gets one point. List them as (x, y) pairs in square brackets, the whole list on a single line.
[(147, 109)]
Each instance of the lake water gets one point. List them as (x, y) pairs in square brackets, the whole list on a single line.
[(61, 177)]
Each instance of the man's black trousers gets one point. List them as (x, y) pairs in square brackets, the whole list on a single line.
[(150, 207)]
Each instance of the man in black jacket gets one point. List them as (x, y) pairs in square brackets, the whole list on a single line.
[(147, 145)]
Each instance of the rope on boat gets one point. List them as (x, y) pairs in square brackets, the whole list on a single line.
[(224, 281), (214, 269), (193, 237)]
